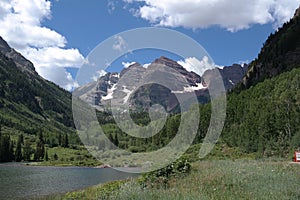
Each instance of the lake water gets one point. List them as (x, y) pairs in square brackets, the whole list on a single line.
[(20, 181)]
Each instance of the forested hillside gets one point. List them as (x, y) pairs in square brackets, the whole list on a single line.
[(266, 118), (263, 115), (263, 112), (34, 113), (280, 53)]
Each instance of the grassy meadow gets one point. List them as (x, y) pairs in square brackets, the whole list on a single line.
[(211, 179)]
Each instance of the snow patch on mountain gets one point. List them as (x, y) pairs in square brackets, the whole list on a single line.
[(199, 86), (110, 93), (127, 92)]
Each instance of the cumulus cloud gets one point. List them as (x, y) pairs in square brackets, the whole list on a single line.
[(99, 74), (59, 76), (21, 26), (192, 64), (232, 15), (120, 43), (127, 64), (146, 65)]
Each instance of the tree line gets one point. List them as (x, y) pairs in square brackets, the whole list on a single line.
[(264, 120), (25, 149)]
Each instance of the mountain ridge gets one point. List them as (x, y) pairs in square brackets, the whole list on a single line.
[(101, 92), (280, 53), (27, 100), (22, 63)]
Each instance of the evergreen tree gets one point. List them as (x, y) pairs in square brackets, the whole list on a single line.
[(116, 140), (40, 150), (55, 156), (59, 139), (22, 139), (11, 155), (5, 149), (27, 151), (46, 156), (18, 152), (41, 138), (65, 141)]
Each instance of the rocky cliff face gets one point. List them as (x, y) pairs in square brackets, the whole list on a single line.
[(192, 78), (168, 79), (231, 75)]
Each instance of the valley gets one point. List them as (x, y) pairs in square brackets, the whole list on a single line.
[(40, 127)]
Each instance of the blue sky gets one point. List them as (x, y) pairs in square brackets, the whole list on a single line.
[(85, 25), (57, 35)]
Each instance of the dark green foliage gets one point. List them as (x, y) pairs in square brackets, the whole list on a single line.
[(6, 146), (40, 150), (160, 178), (55, 157), (11, 155), (46, 156), (116, 140), (65, 141), (29, 104), (27, 151), (280, 53), (59, 139), (18, 152), (265, 118), (133, 144)]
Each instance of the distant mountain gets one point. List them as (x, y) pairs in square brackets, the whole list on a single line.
[(232, 75), (280, 53), (29, 103), (180, 82)]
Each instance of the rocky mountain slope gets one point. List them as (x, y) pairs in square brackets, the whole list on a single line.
[(169, 79)]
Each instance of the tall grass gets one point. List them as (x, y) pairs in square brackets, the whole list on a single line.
[(225, 179)]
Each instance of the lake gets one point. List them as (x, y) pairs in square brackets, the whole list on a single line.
[(19, 181)]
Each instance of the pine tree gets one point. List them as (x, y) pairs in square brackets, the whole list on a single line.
[(11, 151), (5, 149), (41, 138), (65, 141), (27, 151), (18, 152), (40, 150), (46, 156), (116, 140), (22, 139), (55, 156), (59, 139)]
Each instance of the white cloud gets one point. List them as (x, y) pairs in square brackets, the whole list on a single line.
[(99, 74), (146, 65), (111, 5), (20, 26), (233, 15), (127, 64), (59, 76), (120, 43), (197, 66)]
